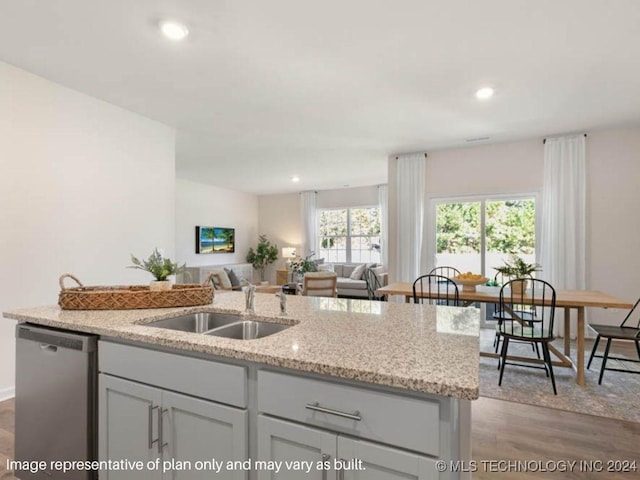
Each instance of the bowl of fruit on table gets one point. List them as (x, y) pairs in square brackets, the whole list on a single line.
[(470, 281)]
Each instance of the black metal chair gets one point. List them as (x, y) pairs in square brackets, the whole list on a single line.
[(522, 311), (435, 290), (373, 284), (536, 328), (611, 332), (448, 272)]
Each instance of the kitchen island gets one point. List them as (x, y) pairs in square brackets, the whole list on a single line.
[(382, 389)]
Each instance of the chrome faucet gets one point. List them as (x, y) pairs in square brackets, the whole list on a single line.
[(283, 303), (250, 298)]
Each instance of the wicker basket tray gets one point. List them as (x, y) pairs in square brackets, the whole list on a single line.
[(131, 297)]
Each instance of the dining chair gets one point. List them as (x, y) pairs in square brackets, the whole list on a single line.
[(448, 272), (435, 290), (320, 284), (373, 284), (523, 311), (612, 332), (519, 324)]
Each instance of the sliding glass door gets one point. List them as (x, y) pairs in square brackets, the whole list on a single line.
[(476, 234)]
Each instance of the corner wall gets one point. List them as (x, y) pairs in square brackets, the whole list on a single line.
[(83, 185)]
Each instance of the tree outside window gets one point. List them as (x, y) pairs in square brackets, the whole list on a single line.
[(509, 228), (350, 235)]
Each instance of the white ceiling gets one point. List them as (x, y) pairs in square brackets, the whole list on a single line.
[(262, 90)]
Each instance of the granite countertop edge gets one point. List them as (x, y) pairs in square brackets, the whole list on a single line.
[(131, 326)]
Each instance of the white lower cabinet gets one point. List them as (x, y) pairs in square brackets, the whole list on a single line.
[(143, 423), (280, 441), (380, 462), (128, 426)]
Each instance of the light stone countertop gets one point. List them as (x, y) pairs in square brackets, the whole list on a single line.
[(418, 348)]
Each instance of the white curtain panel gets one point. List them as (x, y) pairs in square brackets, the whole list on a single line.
[(411, 191), (309, 223), (563, 221), (383, 204)]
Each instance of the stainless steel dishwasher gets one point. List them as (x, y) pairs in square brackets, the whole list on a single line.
[(56, 400)]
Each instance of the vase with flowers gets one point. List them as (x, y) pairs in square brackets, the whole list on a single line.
[(302, 265)]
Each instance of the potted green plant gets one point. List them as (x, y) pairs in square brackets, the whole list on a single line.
[(265, 254), (516, 268), (159, 267)]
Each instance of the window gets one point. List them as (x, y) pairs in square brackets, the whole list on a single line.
[(476, 235), (350, 235)]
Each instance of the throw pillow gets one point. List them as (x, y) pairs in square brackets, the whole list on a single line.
[(223, 278), (357, 272), (347, 270), (325, 267), (233, 278)]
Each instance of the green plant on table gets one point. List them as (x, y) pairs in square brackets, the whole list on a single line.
[(265, 254), (516, 267), (157, 265)]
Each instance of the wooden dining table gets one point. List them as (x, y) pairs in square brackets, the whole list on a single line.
[(569, 300)]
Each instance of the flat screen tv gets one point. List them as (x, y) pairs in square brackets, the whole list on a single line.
[(215, 240)]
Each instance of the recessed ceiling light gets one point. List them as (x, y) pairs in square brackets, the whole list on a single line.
[(484, 93), (295, 179), (174, 30)]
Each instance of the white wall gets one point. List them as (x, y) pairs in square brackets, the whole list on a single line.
[(83, 184), (279, 220), (205, 205), (613, 201), (613, 216), (348, 197)]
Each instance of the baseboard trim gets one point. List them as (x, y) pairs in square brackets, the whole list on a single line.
[(7, 393)]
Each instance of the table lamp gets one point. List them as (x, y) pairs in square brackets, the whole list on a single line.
[(288, 253)]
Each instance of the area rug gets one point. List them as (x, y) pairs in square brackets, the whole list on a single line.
[(618, 397)]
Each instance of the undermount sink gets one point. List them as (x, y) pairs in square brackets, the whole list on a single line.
[(197, 322), (248, 330), (227, 325)]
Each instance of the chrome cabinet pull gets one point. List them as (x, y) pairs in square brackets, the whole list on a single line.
[(315, 406), (161, 442), (325, 457), (150, 427)]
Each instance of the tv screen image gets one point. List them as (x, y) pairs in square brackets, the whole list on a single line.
[(215, 240)]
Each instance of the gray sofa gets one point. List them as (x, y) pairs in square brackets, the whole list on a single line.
[(348, 287)]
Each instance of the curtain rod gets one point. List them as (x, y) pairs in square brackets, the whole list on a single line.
[(425, 155), (544, 140)]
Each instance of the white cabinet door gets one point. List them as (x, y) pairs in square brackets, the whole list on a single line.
[(379, 462), (128, 426), (280, 442), (195, 431)]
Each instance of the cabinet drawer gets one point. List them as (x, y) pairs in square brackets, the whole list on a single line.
[(407, 422), (207, 379)]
